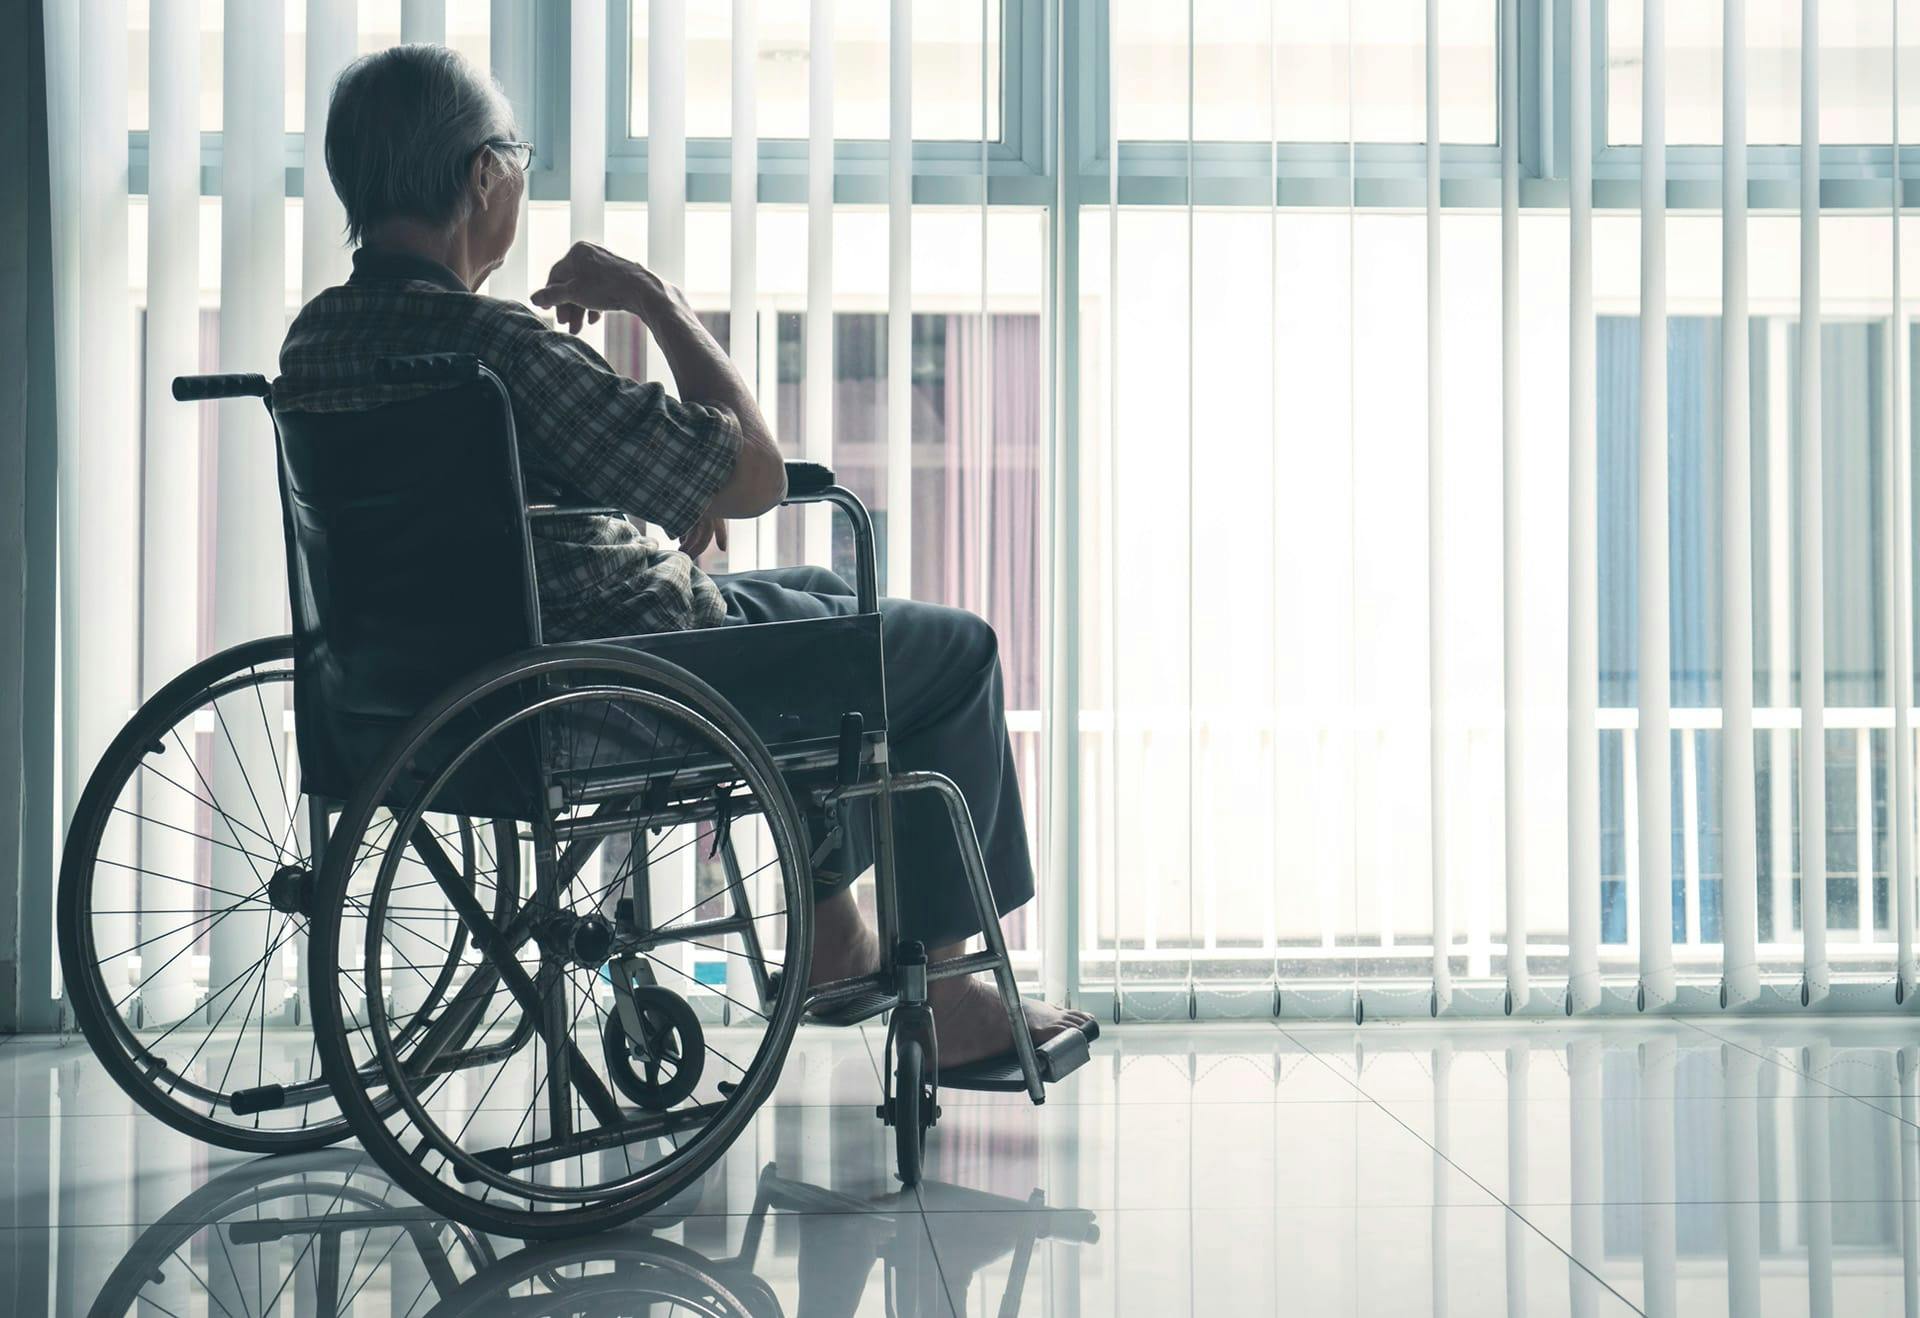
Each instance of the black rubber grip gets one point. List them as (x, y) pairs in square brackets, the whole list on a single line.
[(194, 388), (265, 1098), (807, 478), (426, 367)]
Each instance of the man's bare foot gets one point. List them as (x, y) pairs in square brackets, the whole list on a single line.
[(967, 1013), (972, 1023), (843, 944)]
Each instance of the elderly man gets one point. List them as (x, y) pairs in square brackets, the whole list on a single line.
[(425, 155)]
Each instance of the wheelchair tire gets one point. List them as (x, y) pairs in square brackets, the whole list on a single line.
[(912, 1109), (162, 830), (544, 1157)]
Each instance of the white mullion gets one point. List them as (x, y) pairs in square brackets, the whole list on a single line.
[(1583, 637), (587, 121), (1901, 575), (331, 27), (249, 570), (1813, 660), (1436, 544), (899, 580), (666, 152), (1655, 767), (424, 20), (1739, 923), (170, 525), (1512, 652), (743, 215), (818, 381)]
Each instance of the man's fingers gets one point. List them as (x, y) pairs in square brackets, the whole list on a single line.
[(720, 533)]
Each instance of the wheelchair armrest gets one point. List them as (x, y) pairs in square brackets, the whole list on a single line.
[(810, 482), (807, 479)]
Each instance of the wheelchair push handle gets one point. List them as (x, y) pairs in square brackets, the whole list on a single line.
[(198, 388)]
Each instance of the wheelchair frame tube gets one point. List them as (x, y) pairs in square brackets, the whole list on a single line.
[(961, 818)]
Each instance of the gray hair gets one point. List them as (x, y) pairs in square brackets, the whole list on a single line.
[(402, 129)]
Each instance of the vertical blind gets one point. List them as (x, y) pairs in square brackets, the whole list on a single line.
[(1301, 294)]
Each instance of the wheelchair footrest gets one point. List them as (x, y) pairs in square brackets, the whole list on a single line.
[(852, 1008), (1059, 1057)]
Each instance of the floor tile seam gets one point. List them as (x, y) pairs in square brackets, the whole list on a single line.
[(1772, 1060), (1482, 1187), (939, 1266)]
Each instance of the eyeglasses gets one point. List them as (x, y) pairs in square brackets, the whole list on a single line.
[(520, 154)]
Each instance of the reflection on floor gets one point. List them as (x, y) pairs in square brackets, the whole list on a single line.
[(1668, 1167)]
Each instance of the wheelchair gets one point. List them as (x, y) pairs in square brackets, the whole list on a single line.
[(551, 904)]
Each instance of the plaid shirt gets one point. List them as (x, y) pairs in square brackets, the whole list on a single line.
[(586, 434)]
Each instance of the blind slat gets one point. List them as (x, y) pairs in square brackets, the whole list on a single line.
[(324, 262), (743, 217), (1655, 695), (1813, 660), (818, 430), (1583, 614), (510, 52), (900, 300), (424, 20), (587, 120), (1901, 572), (1740, 925), (1436, 542), (170, 526), (250, 588), (666, 152), (1512, 654)]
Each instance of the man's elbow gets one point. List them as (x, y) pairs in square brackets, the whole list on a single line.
[(757, 485)]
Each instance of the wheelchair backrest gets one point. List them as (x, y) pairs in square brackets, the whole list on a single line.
[(408, 561)]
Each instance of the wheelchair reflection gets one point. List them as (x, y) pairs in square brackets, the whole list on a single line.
[(328, 1234)]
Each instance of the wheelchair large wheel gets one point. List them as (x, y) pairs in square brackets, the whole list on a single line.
[(667, 860), (182, 910)]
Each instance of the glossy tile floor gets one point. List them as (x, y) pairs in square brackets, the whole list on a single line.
[(1670, 1167)]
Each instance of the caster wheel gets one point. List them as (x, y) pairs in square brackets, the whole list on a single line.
[(1724, 996), (1507, 1002), (912, 1110), (1806, 993), (1433, 1005), (658, 1071), (1640, 998)]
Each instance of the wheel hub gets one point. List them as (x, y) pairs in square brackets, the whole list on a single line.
[(584, 940), (290, 890)]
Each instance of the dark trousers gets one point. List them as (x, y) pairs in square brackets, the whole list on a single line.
[(945, 712)]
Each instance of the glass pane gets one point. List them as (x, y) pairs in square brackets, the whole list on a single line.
[(946, 69), (1305, 96), (469, 24), (1856, 73)]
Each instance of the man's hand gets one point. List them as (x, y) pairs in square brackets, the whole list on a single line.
[(589, 279), (709, 530)]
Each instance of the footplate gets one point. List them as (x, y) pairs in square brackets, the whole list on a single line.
[(1059, 1057)]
